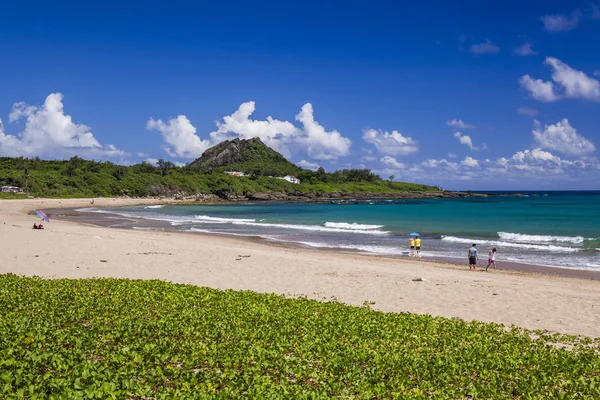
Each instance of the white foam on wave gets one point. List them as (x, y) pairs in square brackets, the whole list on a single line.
[(519, 237), (220, 220), (156, 206), (352, 226), (498, 243), (312, 228), (363, 248)]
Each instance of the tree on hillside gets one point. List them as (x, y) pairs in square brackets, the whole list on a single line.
[(164, 166)]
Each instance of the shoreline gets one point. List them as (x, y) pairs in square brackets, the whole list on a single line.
[(109, 220), (78, 250)]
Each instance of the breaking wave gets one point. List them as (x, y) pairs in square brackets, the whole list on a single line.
[(220, 220), (519, 237), (352, 226), (499, 243)]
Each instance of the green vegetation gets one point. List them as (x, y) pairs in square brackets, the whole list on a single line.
[(123, 339), (12, 196), (81, 178)]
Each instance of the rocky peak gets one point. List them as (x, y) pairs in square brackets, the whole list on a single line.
[(229, 152)]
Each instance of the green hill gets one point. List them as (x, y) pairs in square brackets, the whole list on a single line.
[(250, 156), (77, 177)]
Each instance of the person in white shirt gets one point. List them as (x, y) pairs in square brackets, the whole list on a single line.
[(491, 259)]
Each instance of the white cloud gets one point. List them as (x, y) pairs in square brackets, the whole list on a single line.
[(368, 158), (470, 162), (283, 136), (526, 49), (561, 23), (567, 83), (320, 144), (467, 141), (153, 161), (538, 89), (49, 132), (563, 138), (392, 162), (180, 137), (458, 123), (443, 163), (531, 156), (393, 143), (452, 155), (575, 84), (141, 154), (309, 165), (272, 132), (531, 112), (486, 47)]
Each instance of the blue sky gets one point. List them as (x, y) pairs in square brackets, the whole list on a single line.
[(446, 93)]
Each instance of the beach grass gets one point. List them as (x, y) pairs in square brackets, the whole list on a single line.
[(125, 339), (12, 196)]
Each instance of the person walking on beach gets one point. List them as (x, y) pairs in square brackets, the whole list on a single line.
[(412, 246), (491, 259), (418, 246), (473, 258)]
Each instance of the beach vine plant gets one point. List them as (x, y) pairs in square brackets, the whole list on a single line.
[(125, 339)]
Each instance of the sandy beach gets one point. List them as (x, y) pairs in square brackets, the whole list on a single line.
[(66, 249)]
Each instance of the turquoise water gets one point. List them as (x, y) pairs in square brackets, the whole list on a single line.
[(559, 229)]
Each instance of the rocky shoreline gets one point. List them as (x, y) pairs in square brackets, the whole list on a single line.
[(225, 196)]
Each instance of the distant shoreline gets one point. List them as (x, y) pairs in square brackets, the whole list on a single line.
[(117, 221)]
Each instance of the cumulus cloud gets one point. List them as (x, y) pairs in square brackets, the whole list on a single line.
[(180, 137), (467, 141), (526, 165), (272, 132), (487, 47), (392, 162), (459, 124), (567, 83), (562, 137), (393, 143), (320, 144), (561, 23), (526, 49), (309, 165), (49, 132), (574, 83), (530, 112), (311, 138), (443, 163), (470, 162), (538, 89)]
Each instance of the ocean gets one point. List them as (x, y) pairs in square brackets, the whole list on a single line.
[(557, 229)]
